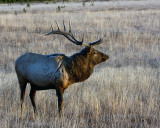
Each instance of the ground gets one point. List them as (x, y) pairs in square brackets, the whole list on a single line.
[(123, 92)]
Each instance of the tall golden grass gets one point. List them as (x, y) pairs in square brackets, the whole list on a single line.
[(124, 92)]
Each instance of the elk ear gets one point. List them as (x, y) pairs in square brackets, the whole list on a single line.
[(90, 50), (87, 50)]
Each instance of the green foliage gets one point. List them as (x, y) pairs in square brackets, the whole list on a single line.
[(24, 10), (28, 4), (21, 1), (63, 6), (58, 9), (84, 4), (65, 1)]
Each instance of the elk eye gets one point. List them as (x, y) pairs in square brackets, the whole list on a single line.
[(94, 52)]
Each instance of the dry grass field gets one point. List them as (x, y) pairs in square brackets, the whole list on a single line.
[(122, 93)]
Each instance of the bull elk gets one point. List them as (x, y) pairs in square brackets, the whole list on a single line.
[(57, 71)]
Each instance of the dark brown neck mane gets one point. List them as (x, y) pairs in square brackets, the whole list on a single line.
[(80, 68)]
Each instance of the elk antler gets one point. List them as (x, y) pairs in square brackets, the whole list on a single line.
[(96, 42), (71, 37), (68, 34)]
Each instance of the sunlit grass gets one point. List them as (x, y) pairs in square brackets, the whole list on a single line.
[(124, 92)]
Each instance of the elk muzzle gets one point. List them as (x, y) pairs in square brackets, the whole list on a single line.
[(105, 57)]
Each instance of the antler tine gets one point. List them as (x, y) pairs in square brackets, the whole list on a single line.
[(69, 26), (96, 42), (50, 32), (57, 25), (64, 26), (71, 35), (83, 37), (52, 28)]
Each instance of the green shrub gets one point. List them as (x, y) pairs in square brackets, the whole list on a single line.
[(28, 4), (65, 1), (84, 4), (21, 1), (63, 6), (24, 10), (58, 9)]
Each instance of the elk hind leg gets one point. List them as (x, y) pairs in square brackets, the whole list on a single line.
[(32, 97)]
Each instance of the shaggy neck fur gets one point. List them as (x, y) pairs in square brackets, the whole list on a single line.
[(80, 67)]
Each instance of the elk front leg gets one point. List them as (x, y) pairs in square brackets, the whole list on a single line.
[(22, 88), (59, 92)]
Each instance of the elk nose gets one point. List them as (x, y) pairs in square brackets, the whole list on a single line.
[(105, 57)]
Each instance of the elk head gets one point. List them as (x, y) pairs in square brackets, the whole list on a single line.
[(95, 56)]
